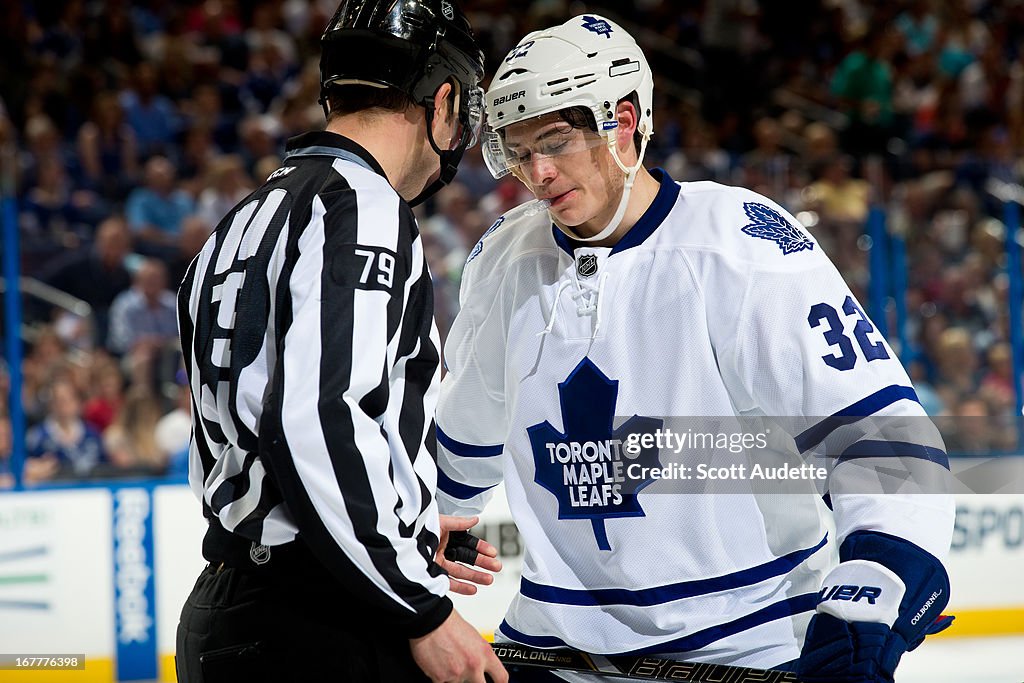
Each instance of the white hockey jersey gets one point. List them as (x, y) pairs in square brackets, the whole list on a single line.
[(716, 303)]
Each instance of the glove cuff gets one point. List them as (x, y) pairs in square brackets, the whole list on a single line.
[(925, 579), (862, 590)]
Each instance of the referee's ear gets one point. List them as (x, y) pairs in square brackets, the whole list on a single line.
[(445, 107)]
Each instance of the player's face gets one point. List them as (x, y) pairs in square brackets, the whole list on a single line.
[(570, 167)]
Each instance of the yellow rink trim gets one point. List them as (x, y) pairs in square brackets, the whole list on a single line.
[(96, 670), (969, 623), (1000, 621), (167, 674)]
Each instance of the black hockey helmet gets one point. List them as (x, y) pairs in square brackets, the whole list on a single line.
[(414, 46)]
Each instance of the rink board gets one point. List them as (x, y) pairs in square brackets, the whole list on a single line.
[(103, 571)]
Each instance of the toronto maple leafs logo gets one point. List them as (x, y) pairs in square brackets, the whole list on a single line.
[(586, 467), (598, 26), (770, 225)]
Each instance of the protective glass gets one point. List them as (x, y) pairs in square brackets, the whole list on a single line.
[(515, 148), (471, 117)]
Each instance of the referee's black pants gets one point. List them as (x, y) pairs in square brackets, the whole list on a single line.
[(285, 620)]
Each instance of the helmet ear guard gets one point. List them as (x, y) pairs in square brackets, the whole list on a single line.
[(414, 46)]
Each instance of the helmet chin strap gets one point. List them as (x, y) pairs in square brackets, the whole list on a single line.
[(449, 158), (627, 189)]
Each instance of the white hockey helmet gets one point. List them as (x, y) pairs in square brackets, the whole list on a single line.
[(588, 61)]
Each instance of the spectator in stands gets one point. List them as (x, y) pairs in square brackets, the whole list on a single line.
[(971, 431), (143, 319), (108, 149), (957, 364), (173, 432), (819, 144), (5, 389), (6, 446), (194, 158), (700, 158), (205, 110), (268, 72), (131, 439), (194, 233), (264, 167), (959, 303), (107, 394), (151, 115), (837, 195), (997, 385), (260, 136), (43, 144), (919, 27), (98, 274), (863, 87), (40, 369), (767, 167), (926, 394), (111, 41), (54, 216), (226, 184), (155, 211), (62, 444)]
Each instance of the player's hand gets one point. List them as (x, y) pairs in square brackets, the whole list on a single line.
[(459, 551), (870, 614), (455, 653)]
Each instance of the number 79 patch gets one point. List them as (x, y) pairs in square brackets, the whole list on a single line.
[(364, 267)]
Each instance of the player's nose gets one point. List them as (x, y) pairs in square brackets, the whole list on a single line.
[(542, 169)]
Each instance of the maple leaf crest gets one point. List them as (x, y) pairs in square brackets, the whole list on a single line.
[(769, 224)]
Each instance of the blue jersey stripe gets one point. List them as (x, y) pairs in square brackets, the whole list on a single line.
[(865, 407), (895, 449), (646, 597), (457, 490), (777, 610), (695, 641), (467, 450), (532, 641)]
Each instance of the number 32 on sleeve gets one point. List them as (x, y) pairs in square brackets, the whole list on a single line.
[(846, 357)]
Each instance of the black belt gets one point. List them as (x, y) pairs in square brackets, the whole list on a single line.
[(223, 548)]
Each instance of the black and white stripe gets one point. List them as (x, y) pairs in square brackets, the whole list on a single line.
[(308, 334)]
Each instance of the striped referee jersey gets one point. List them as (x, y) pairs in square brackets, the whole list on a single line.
[(307, 329)]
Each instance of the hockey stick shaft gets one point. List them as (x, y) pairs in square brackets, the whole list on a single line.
[(637, 667)]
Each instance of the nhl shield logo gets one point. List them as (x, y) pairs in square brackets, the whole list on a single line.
[(259, 553), (447, 10), (586, 265)]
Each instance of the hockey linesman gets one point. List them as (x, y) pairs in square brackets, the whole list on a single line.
[(619, 292), (308, 335)]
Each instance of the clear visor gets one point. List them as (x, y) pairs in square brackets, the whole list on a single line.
[(470, 119), (515, 148)]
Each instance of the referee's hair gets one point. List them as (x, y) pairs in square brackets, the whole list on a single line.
[(365, 99)]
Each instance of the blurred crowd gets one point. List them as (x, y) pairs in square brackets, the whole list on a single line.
[(130, 129)]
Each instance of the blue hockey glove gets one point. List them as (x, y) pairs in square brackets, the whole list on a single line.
[(885, 596)]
